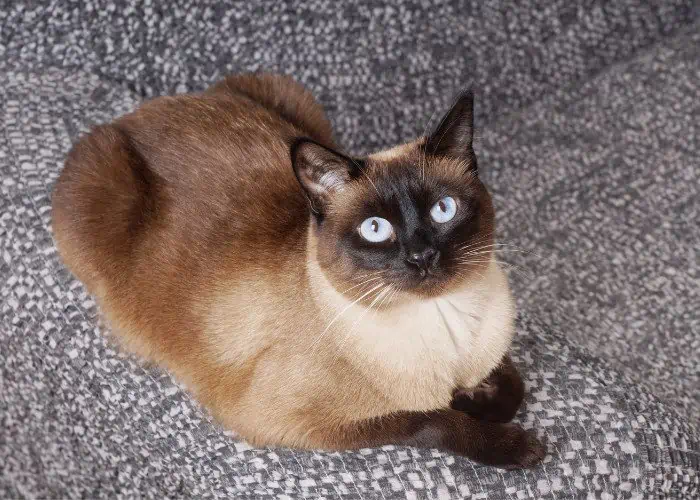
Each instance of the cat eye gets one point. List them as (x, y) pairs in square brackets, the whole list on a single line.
[(444, 210), (376, 229)]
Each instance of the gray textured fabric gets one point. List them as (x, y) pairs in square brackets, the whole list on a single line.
[(379, 65), (602, 187), (79, 419)]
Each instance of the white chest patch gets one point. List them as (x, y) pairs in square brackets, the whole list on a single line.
[(419, 352)]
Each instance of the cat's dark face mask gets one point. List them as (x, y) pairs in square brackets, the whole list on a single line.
[(414, 219)]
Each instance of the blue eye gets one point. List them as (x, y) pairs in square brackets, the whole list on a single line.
[(444, 210), (376, 229)]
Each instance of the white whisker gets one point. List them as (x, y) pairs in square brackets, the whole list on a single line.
[(388, 291), (358, 320), (472, 261), (365, 174), (360, 284), (474, 244), (343, 311)]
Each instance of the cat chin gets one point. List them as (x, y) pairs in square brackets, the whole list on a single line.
[(439, 284), (428, 289)]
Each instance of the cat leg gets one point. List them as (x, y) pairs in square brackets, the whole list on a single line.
[(504, 445), (497, 398)]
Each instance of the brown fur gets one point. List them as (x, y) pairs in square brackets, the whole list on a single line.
[(185, 220), (497, 398)]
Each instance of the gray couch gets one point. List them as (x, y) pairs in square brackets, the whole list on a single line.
[(589, 122)]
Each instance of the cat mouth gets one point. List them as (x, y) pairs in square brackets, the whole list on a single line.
[(424, 282)]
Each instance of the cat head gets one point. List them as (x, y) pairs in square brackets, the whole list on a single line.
[(414, 219)]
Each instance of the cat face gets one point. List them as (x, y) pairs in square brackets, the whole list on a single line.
[(413, 220)]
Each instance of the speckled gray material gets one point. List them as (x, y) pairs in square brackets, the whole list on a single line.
[(379, 65), (78, 419), (603, 187)]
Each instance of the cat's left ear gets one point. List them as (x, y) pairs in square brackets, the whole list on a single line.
[(455, 132), (322, 172)]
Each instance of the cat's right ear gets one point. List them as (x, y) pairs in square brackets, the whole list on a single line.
[(322, 172)]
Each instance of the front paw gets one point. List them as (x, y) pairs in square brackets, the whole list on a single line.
[(486, 402), (516, 449), (530, 451)]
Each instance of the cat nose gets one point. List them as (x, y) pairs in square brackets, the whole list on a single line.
[(424, 259)]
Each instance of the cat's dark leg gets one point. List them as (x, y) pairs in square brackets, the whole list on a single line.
[(492, 443), (497, 398)]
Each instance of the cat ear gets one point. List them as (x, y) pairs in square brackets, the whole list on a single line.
[(322, 172), (454, 134)]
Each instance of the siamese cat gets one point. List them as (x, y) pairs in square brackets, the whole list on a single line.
[(306, 297)]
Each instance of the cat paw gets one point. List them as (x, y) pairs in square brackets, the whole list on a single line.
[(486, 402), (527, 450)]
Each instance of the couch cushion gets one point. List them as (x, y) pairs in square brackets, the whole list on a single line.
[(79, 419), (602, 185)]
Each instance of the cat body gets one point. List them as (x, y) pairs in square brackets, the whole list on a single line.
[(223, 236)]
